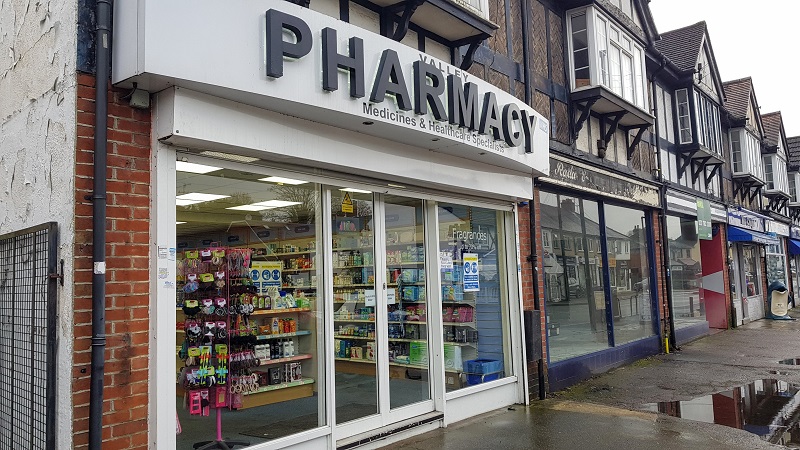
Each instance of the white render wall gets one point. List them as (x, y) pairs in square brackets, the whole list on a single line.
[(37, 146)]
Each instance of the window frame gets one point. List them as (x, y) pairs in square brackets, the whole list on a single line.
[(614, 37)]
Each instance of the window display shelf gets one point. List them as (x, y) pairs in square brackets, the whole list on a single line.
[(404, 263), (270, 362), (357, 266), (351, 249), (406, 340), (310, 269), (363, 338), (265, 312), (354, 320), (278, 255), (408, 322), (461, 344), (391, 363), (460, 324), (353, 285), (276, 387), (408, 283), (266, 337), (292, 286)]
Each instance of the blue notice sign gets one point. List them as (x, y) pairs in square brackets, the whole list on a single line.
[(471, 273)]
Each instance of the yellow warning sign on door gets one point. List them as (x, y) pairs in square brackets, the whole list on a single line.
[(347, 203)]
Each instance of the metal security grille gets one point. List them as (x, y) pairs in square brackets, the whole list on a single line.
[(27, 337)]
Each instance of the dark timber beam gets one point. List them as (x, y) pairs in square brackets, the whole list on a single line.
[(408, 11), (586, 109), (636, 140)]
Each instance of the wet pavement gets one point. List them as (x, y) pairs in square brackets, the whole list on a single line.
[(737, 389)]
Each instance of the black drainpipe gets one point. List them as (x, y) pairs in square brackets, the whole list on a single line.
[(102, 55), (662, 215), (537, 304)]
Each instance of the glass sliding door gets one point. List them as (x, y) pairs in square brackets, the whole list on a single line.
[(406, 301), (355, 344)]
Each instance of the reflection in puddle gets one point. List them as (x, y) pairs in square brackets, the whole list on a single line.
[(768, 408), (778, 372), (790, 362)]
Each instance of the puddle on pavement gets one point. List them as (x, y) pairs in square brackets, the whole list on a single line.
[(767, 408), (778, 372), (790, 362)]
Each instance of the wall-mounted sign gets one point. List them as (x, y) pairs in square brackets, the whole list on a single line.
[(347, 203), (744, 219), (779, 228), (576, 175), (704, 219), (794, 232), (471, 273), (293, 60)]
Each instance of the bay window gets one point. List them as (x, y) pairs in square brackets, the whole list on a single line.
[(684, 116), (793, 186), (746, 154), (603, 54), (775, 173)]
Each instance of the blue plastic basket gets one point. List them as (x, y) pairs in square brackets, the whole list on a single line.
[(482, 370)]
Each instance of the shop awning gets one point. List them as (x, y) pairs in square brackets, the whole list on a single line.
[(736, 234), (794, 247)]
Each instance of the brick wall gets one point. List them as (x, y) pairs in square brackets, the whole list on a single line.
[(127, 277), (661, 280), (528, 293)]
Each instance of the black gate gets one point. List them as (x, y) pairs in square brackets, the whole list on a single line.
[(28, 277)]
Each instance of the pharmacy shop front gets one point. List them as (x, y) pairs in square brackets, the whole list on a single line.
[(336, 260)]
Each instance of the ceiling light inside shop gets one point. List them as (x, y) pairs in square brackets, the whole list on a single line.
[(282, 180), (360, 191), (277, 203), (182, 166), (178, 223), (201, 197), (229, 157), (253, 207)]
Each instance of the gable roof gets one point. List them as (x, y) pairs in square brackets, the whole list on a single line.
[(793, 149), (773, 125), (682, 46), (737, 96)]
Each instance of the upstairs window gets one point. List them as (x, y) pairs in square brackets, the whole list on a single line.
[(746, 154), (793, 187), (603, 54), (684, 116), (775, 173), (708, 126)]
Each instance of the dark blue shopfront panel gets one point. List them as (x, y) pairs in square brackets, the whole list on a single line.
[(736, 234), (566, 373), (794, 247)]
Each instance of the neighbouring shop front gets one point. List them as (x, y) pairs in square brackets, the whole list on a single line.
[(747, 240), (777, 262), (598, 270), (327, 281), (697, 251), (794, 261)]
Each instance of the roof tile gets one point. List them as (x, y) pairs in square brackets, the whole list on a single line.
[(682, 46)]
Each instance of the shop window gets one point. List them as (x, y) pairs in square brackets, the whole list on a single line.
[(575, 301), (630, 301), (474, 295), (776, 263), (685, 267), (249, 335)]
